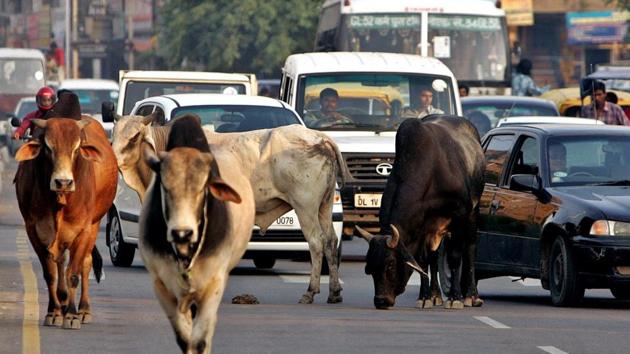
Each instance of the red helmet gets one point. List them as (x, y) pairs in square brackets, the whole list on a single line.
[(45, 92)]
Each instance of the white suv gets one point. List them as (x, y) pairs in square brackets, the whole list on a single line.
[(283, 239), (376, 91)]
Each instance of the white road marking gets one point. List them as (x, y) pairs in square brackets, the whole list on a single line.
[(490, 322), (527, 281), (304, 279), (552, 350)]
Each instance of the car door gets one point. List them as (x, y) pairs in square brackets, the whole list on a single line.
[(497, 152), (512, 212)]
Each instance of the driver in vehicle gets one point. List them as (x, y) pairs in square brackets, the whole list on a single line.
[(426, 108), (557, 162), (327, 116)]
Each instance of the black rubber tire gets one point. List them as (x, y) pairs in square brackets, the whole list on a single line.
[(620, 292), (264, 262), (120, 252), (444, 271), (325, 270), (564, 285)]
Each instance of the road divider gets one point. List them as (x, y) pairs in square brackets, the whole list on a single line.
[(30, 322)]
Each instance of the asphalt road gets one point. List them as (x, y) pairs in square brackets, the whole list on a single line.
[(516, 318)]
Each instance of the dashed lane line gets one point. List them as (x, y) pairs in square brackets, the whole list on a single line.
[(30, 322), (551, 350), (490, 322)]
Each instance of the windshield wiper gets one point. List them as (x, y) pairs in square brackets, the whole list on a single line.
[(623, 182)]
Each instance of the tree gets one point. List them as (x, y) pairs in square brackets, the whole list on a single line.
[(237, 36)]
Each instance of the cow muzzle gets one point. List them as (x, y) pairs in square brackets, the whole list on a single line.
[(383, 302)]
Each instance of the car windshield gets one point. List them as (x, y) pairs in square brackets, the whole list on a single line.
[(21, 76), (91, 100), (25, 108), (494, 111), (138, 90), (592, 160), (233, 118), (371, 101)]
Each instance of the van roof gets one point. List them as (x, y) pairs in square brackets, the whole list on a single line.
[(88, 84), (21, 53), (191, 76), (309, 63), (468, 7)]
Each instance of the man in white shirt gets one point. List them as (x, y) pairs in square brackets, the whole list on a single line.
[(425, 109)]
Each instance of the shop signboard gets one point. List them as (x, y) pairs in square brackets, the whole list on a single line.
[(596, 27)]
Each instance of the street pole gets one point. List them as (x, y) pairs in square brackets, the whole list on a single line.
[(75, 37), (67, 40)]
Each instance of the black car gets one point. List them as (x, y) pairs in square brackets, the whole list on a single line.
[(556, 206), (486, 111)]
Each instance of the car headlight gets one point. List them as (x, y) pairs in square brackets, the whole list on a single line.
[(610, 228)]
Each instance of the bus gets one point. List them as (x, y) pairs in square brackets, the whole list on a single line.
[(469, 36)]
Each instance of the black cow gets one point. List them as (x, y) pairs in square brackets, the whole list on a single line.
[(432, 194)]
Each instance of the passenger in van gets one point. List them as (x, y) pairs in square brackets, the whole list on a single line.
[(426, 108), (327, 115)]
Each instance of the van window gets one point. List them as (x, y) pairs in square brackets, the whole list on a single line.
[(21, 75), (371, 101), (138, 90)]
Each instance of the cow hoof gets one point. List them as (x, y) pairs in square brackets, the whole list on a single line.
[(86, 317), (72, 322), (424, 304), (454, 304), (334, 299), (52, 320), (468, 302), (306, 299), (477, 302), (437, 301)]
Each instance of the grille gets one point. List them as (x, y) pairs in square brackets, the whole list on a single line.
[(278, 236), (363, 166)]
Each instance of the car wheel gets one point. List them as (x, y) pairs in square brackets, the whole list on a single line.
[(264, 262), (621, 292), (564, 285), (120, 252), (325, 269)]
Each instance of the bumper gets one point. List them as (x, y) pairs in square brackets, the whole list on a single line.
[(602, 261), (367, 218)]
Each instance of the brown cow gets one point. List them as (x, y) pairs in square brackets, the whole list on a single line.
[(65, 183)]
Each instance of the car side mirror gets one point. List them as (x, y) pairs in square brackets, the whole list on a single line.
[(108, 112), (524, 183), (15, 121)]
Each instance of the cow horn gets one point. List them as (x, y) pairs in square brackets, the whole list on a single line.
[(40, 123), (82, 123), (366, 235), (149, 119), (392, 242)]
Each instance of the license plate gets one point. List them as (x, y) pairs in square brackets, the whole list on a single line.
[(284, 221), (367, 200)]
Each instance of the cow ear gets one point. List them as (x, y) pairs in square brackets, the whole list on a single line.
[(151, 158), (28, 151), (91, 152), (222, 191)]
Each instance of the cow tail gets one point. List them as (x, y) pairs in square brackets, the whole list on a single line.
[(342, 168), (97, 264)]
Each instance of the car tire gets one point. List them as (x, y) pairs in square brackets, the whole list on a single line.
[(264, 262), (120, 252), (564, 284), (325, 269), (444, 271), (621, 292)]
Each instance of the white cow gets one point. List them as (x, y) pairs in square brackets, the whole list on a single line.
[(290, 167)]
